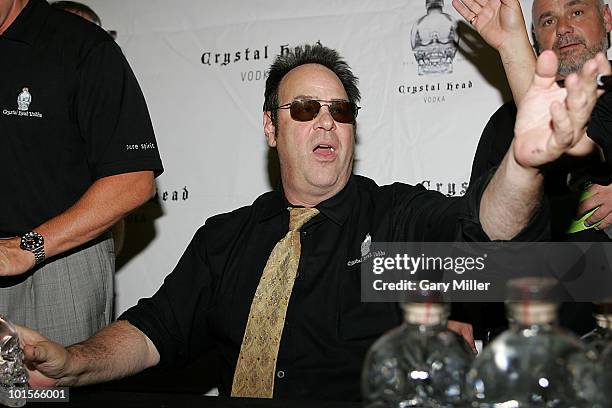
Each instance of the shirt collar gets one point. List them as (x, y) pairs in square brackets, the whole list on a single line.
[(274, 204), (336, 208), (29, 22)]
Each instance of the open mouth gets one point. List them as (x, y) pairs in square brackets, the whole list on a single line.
[(324, 151), (324, 147)]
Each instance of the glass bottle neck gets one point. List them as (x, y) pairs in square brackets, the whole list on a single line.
[(434, 5), (604, 321), (425, 314), (532, 314)]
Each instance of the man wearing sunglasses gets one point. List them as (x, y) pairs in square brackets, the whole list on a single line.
[(304, 334)]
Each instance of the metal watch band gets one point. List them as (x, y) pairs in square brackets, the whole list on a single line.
[(39, 254)]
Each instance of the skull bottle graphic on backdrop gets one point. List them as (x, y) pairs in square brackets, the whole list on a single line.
[(434, 40)]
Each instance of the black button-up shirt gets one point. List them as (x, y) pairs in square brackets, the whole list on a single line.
[(206, 300)]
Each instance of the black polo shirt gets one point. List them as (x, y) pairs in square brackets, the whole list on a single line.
[(71, 112), (600, 125), (205, 301)]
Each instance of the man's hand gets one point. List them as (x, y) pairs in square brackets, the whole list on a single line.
[(13, 259), (46, 361), (551, 120), (499, 22), (602, 199), (465, 330)]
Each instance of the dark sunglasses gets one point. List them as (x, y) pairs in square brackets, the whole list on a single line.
[(307, 110)]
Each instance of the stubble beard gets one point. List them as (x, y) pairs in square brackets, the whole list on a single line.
[(573, 62)]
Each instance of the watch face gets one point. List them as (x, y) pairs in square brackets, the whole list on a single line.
[(31, 241)]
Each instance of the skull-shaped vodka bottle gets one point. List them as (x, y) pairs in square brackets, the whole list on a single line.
[(534, 363), (434, 40), (418, 364), (13, 374)]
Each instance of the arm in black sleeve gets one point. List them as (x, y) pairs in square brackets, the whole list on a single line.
[(174, 318), (424, 215), (112, 115), (494, 141)]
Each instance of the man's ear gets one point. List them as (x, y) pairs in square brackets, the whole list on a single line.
[(607, 16), (269, 129)]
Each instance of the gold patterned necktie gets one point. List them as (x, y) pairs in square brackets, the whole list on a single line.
[(254, 375)]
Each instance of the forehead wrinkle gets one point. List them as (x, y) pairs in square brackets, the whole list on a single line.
[(304, 97), (570, 3), (574, 2), (567, 5), (312, 78)]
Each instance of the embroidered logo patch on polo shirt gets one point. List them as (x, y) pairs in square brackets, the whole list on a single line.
[(365, 252), (24, 99), (365, 245)]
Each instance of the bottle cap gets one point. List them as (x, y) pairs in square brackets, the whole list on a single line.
[(530, 300), (427, 314)]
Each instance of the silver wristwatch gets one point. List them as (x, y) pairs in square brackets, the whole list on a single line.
[(34, 242)]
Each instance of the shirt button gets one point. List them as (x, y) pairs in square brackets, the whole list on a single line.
[(280, 374), (304, 233)]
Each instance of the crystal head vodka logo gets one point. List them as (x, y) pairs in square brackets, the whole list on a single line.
[(23, 100), (365, 245)]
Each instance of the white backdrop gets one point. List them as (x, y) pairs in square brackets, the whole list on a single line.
[(208, 115)]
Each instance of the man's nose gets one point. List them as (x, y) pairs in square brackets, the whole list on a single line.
[(324, 119), (564, 26)]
